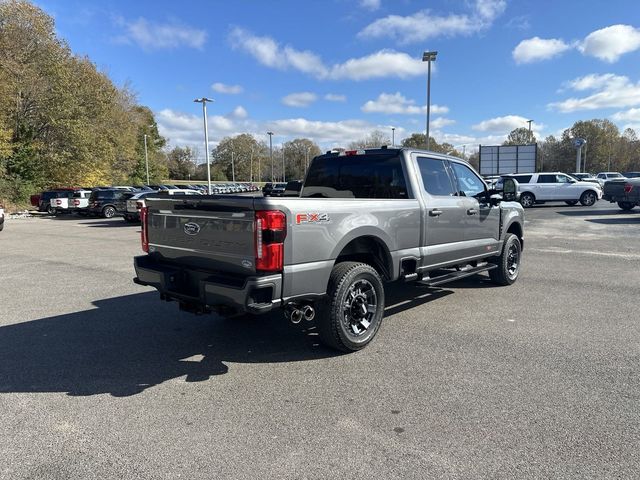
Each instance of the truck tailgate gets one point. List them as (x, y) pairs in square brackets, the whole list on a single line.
[(614, 188), (210, 233)]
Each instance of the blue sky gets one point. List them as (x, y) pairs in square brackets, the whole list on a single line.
[(335, 70)]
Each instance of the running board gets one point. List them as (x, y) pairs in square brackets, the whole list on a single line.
[(450, 277)]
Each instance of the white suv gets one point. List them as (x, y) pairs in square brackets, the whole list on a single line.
[(555, 187)]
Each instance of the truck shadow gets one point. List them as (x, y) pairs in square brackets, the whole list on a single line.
[(127, 344)]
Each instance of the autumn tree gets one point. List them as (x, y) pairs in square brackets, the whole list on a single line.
[(520, 136)]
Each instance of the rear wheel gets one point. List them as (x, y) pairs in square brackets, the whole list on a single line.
[(51, 210), (626, 205), (508, 261), (571, 202), (527, 200), (108, 212), (355, 309), (588, 198)]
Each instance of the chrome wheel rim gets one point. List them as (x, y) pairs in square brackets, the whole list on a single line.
[(527, 201), (590, 198), (359, 308), (513, 260)]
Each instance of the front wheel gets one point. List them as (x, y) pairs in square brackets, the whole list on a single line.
[(588, 198), (355, 308), (508, 262), (626, 205), (527, 200)]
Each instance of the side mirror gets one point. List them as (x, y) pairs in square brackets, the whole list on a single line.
[(510, 190), (495, 199)]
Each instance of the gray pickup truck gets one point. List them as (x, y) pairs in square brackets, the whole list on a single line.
[(363, 218), (625, 192)]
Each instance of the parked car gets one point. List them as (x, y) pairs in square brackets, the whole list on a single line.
[(603, 177), (394, 214), (585, 177), (293, 188), (266, 189), (278, 190), (108, 203), (1, 217), (624, 192), (133, 205), (555, 187)]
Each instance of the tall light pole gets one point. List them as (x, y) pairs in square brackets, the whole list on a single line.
[(429, 57), (233, 168), (271, 153), (284, 176), (393, 136), (251, 166), (146, 157), (204, 101), (529, 122), (307, 162)]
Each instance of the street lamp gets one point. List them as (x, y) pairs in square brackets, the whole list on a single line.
[(529, 122), (271, 153), (429, 57), (284, 176), (146, 157), (204, 101), (393, 136)]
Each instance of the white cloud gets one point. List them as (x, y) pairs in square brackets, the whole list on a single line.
[(384, 63), (396, 103), (239, 112), (611, 91), (440, 122), (370, 4), (610, 43), (155, 36), (300, 99), (631, 115), (425, 24), (536, 49), (227, 89), (335, 97), (504, 125)]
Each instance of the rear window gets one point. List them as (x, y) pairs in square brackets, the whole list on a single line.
[(522, 178), (356, 176)]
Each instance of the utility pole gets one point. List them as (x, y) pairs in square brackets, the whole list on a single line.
[(393, 136), (146, 157), (429, 57), (271, 152), (204, 101), (251, 166), (233, 168), (284, 175)]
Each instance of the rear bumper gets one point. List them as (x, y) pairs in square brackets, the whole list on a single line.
[(200, 291), (635, 199)]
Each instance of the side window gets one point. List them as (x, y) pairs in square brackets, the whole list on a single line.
[(562, 179), (601, 175), (469, 185), (523, 178), (546, 179), (435, 178)]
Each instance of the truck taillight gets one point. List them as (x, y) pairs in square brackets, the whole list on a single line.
[(271, 230), (628, 187), (58, 202), (139, 205), (76, 202), (144, 234)]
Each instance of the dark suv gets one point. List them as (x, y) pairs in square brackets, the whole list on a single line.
[(108, 203)]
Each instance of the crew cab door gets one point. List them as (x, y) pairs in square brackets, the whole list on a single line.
[(547, 187), (444, 215), (482, 220)]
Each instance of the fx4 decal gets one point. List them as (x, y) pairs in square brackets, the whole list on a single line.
[(312, 218)]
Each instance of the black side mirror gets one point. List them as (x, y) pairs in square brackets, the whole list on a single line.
[(510, 189), (495, 199)]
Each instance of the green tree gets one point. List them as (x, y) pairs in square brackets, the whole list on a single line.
[(239, 156), (520, 136), (375, 139), (181, 163), (298, 154)]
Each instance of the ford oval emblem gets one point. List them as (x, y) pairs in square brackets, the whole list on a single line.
[(191, 228)]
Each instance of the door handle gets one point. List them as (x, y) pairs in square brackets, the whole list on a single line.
[(435, 212), (472, 211)]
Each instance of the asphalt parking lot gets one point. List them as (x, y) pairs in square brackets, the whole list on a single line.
[(100, 379)]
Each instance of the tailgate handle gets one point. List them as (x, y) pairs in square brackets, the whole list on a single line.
[(435, 212)]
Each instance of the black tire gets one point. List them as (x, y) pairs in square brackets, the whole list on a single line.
[(1, 226), (571, 203), (51, 210), (508, 261), (108, 212), (588, 198), (527, 200), (626, 206), (350, 329)]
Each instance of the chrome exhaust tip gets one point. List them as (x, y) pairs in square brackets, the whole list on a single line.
[(308, 312)]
